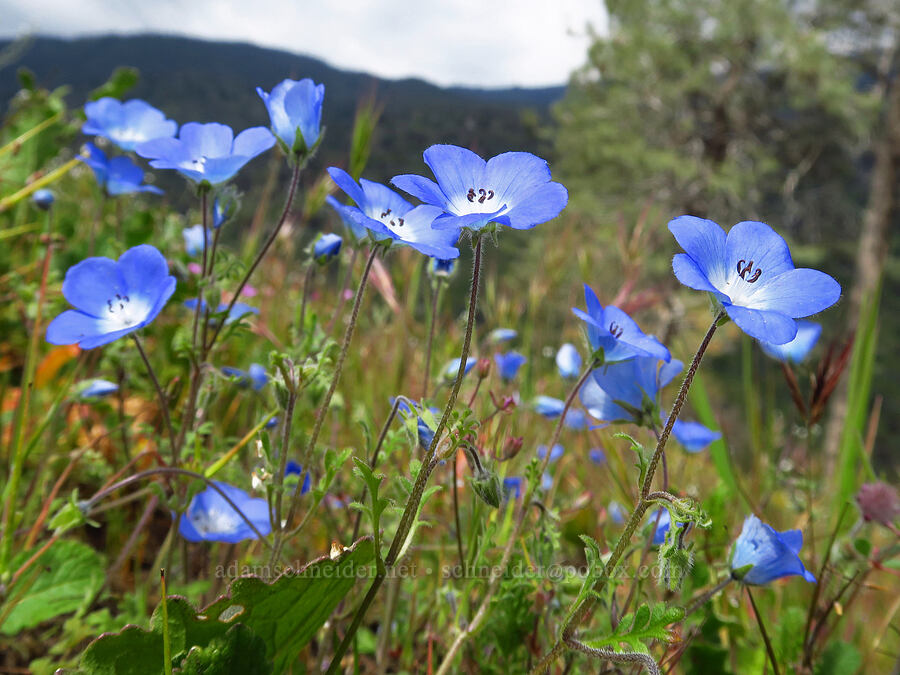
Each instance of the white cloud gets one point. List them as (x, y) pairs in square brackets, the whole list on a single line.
[(473, 42)]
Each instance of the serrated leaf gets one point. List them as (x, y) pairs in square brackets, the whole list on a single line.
[(64, 579), (644, 624)]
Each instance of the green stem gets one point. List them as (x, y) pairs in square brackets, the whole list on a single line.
[(326, 402), (282, 459), (765, 634), (412, 504), (707, 596), (432, 321), (163, 403), (307, 279), (167, 647)]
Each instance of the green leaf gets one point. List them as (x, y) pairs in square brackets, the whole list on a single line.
[(789, 635), (122, 79), (839, 658), (64, 579), (256, 627), (644, 624)]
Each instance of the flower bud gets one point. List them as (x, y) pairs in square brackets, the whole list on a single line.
[(326, 248), (511, 448), (43, 199), (483, 367), (879, 502)]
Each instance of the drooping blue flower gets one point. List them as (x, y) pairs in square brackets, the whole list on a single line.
[(568, 361), (223, 209), (499, 335), (255, 376), (207, 153), (194, 239), (693, 436), (209, 517), (292, 468), (116, 176), (548, 406), (512, 486), (98, 388), (295, 109), (555, 453), (616, 512), (425, 433), (772, 554), (327, 247), (797, 349), (237, 311), (660, 526), (576, 419), (452, 367), (597, 456), (126, 124), (389, 217), (508, 364), (442, 268), (112, 298), (272, 423), (43, 199), (616, 333), (751, 274), (546, 481), (512, 189)]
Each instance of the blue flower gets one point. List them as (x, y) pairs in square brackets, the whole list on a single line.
[(442, 268), (751, 274), (797, 349), (239, 310), (597, 456), (616, 333), (211, 518), (389, 217), (555, 453), (693, 436), (772, 554), (502, 335), (616, 512), (576, 419), (126, 124), (424, 432), (112, 298), (512, 189), (512, 486), (43, 199), (452, 367), (661, 526), (327, 247), (223, 208), (207, 153), (98, 388), (549, 406), (116, 176), (272, 423), (294, 469), (295, 109), (568, 361), (194, 239), (509, 363), (256, 375)]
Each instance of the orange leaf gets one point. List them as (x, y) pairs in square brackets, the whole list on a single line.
[(50, 365)]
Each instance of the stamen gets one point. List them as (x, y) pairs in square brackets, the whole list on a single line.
[(485, 195), (616, 330), (385, 214), (744, 268)]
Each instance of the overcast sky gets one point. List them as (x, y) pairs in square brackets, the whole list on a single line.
[(486, 43)]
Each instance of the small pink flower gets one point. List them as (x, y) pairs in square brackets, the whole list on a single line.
[(194, 268), (879, 502), (249, 291)]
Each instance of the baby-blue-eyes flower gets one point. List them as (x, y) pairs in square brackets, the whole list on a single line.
[(194, 239), (442, 268), (272, 423), (207, 153), (239, 310), (568, 361), (616, 333), (548, 406), (255, 376), (98, 388), (327, 247), (223, 208), (508, 364), (512, 189), (295, 109), (751, 274), (628, 392), (616, 512), (662, 526), (43, 199), (126, 124), (512, 486), (772, 554), (424, 432), (389, 217), (452, 367), (597, 456), (576, 419), (116, 176), (499, 335), (209, 517), (112, 298), (797, 349), (556, 452), (292, 468)]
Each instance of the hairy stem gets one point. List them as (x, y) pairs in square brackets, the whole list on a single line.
[(426, 377), (160, 394), (765, 635)]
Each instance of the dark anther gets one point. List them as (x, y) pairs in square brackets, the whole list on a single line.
[(471, 195), (744, 268), (385, 214), (127, 299), (109, 303), (121, 306), (483, 196), (616, 330), (118, 297), (400, 220)]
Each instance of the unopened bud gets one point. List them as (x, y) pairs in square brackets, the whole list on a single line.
[(483, 367), (511, 447), (879, 502)]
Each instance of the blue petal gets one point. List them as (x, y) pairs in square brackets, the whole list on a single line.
[(456, 170), (502, 335), (797, 293), (548, 406), (763, 325), (421, 188), (668, 372), (568, 361), (543, 204), (346, 183), (144, 270), (797, 349), (704, 242), (207, 140), (754, 241), (693, 435), (508, 364), (98, 388), (602, 405), (72, 326), (252, 142), (303, 106), (417, 232), (89, 284), (688, 272)]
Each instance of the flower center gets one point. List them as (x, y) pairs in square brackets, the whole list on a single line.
[(481, 195), (122, 312), (615, 330), (216, 521), (747, 273), (393, 222)]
